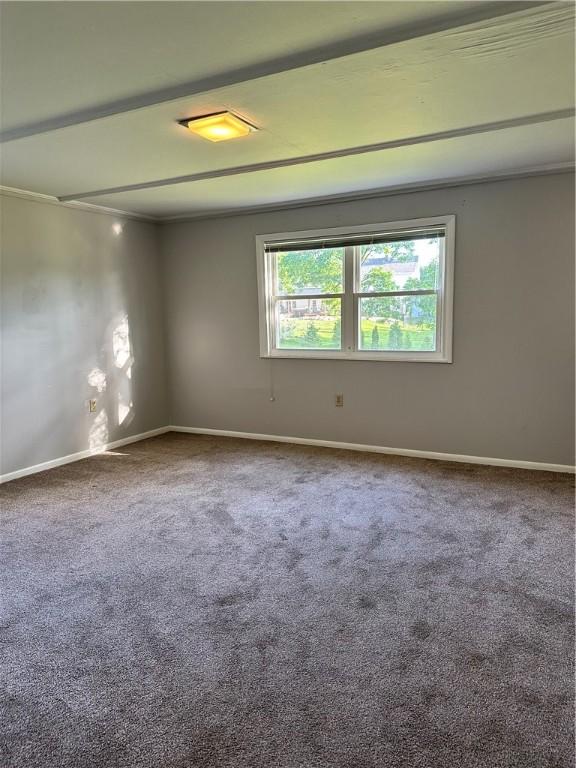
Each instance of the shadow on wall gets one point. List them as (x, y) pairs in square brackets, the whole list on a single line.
[(118, 408)]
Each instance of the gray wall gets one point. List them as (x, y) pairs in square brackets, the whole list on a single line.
[(510, 390), (70, 285)]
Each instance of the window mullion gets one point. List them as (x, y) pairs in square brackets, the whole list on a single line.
[(348, 302)]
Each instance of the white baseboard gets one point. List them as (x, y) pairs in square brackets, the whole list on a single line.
[(519, 464), (536, 465), (80, 455)]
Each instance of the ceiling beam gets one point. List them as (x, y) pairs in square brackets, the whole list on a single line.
[(455, 133), (321, 54)]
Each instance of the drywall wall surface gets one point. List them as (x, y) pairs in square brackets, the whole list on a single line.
[(81, 320), (509, 392)]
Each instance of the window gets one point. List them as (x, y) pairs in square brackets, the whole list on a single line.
[(377, 292)]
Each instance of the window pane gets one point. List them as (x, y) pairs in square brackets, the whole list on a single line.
[(308, 324), (404, 266), (406, 323), (313, 271)]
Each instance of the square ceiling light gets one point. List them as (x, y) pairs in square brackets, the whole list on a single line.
[(220, 126)]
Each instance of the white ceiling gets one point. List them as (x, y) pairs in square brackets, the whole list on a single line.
[(410, 70)]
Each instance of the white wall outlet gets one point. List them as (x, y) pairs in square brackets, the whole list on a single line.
[(92, 406), (339, 401)]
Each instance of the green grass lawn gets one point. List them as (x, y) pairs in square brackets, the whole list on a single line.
[(296, 333)]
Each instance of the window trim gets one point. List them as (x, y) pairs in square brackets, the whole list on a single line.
[(350, 351)]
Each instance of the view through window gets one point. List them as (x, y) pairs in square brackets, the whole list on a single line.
[(381, 294)]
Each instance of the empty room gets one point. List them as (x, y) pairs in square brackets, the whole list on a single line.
[(287, 384)]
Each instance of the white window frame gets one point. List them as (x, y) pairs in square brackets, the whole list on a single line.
[(350, 296)]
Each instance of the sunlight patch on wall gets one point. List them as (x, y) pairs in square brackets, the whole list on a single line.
[(121, 343), (125, 414), (98, 435), (97, 378), (123, 359)]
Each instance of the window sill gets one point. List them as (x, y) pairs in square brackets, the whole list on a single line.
[(380, 357)]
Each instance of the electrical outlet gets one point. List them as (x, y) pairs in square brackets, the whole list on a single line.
[(92, 406), (339, 401)]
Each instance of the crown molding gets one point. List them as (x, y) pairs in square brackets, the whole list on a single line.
[(38, 197), (400, 189), (344, 197)]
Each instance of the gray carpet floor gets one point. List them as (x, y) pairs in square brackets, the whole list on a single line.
[(198, 601)]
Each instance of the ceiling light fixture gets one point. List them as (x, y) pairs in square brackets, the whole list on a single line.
[(219, 126)]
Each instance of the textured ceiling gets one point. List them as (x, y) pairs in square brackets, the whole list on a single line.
[(392, 168), (65, 56), (91, 93)]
